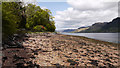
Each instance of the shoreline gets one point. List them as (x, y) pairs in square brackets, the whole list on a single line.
[(91, 37), (99, 41), (96, 40), (51, 49)]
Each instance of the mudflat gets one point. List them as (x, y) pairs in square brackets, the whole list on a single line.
[(50, 49)]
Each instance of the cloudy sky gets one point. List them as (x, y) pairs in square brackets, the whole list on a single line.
[(77, 13)]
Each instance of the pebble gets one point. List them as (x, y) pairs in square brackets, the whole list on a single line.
[(47, 49)]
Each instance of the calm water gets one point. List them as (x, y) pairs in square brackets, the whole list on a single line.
[(109, 37)]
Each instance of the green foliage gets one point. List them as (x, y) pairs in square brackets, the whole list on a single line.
[(10, 18), (51, 26), (15, 17), (37, 16), (39, 28)]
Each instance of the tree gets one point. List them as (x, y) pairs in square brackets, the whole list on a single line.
[(10, 17), (37, 16), (31, 17)]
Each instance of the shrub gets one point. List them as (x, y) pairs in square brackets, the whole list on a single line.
[(39, 28)]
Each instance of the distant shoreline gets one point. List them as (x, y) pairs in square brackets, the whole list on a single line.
[(97, 41), (91, 36)]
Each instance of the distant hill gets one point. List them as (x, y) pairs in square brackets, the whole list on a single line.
[(68, 30), (100, 27), (80, 29), (95, 27), (106, 27)]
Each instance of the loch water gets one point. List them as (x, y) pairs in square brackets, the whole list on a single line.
[(109, 37)]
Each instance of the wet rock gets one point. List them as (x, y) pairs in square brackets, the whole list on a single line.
[(77, 60), (106, 55), (4, 58), (117, 54), (70, 53), (75, 50), (72, 62), (33, 57), (31, 65), (96, 51), (29, 62), (60, 50), (17, 57), (108, 60), (92, 56), (45, 51), (82, 43), (5, 46), (25, 39), (48, 36), (102, 66), (26, 35), (81, 51), (83, 55), (87, 50), (94, 62), (67, 56), (35, 53), (99, 55), (13, 45), (19, 65), (56, 49), (111, 66), (84, 48), (36, 66), (57, 64)]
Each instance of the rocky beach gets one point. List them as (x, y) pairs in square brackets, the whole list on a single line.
[(52, 49)]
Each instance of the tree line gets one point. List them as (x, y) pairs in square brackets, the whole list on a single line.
[(16, 16)]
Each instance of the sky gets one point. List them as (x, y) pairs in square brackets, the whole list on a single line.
[(72, 14), (53, 6)]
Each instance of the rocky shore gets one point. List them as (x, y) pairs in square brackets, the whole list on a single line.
[(51, 49)]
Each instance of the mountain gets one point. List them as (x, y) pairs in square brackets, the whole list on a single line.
[(105, 27), (95, 27), (68, 30), (80, 29), (100, 27), (113, 26)]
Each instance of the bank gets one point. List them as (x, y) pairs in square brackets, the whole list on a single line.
[(54, 49)]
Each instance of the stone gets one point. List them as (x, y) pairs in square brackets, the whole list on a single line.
[(75, 50), (35, 53), (94, 62), (19, 64), (46, 49), (17, 57), (4, 58)]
